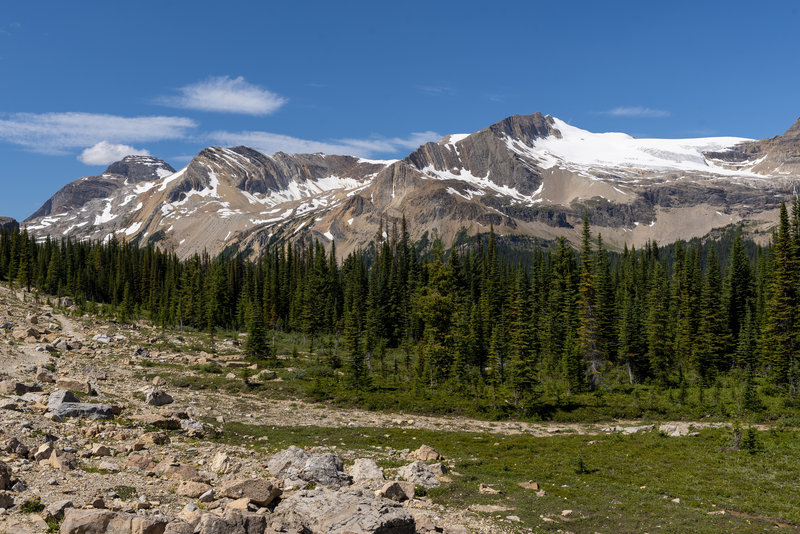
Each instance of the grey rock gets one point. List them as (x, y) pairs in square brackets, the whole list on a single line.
[(326, 469), (296, 464), (5, 476), (6, 499), (14, 446), (39, 398), (12, 387), (74, 384), (83, 409), (56, 510), (426, 454), (232, 522), (397, 491), (260, 491), (9, 404), (59, 397), (157, 397), (339, 512), (179, 527), (78, 521), (419, 473), (43, 452), (7, 223), (365, 470)]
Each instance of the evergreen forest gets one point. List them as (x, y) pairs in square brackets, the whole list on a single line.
[(471, 329)]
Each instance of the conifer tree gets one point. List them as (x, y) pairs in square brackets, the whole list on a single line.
[(588, 335)]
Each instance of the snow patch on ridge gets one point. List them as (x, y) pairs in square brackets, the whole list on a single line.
[(583, 149)]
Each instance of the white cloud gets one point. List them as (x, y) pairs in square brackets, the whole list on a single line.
[(225, 94), (104, 153), (54, 133), (270, 143), (636, 111)]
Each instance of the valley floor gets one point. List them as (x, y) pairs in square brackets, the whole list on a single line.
[(504, 476)]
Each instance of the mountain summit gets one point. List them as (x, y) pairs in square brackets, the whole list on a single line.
[(531, 175)]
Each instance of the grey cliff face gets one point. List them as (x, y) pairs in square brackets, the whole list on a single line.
[(8, 224), (131, 169)]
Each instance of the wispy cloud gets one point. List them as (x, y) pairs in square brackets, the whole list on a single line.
[(270, 143), (225, 94), (55, 133), (105, 153), (10, 28), (435, 90), (635, 111)]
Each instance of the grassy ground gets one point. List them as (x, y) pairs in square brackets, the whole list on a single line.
[(611, 483), (395, 387)]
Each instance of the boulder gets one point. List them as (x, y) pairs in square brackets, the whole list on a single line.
[(240, 504), (397, 491), (59, 397), (102, 338), (179, 527), (285, 463), (36, 398), (73, 384), (426, 454), (423, 523), (296, 464), (62, 460), (155, 438), (339, 512), (56, 510), (170, 468), (6, 499), (232, 522), (100, 450), (326, 469), (260, 491), (157, 397), (44, 375), (12, 387), (222, 463), (191, 513), (140, 461), (25, 332), (365, 470), (9, 404), (675, 430), (107, 465), (14, 446), (43, 452), (83, 409), (192, 490), (419, 473), (5, 476), (78, 521)]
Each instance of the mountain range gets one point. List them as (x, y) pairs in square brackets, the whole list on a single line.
[(532, 176)]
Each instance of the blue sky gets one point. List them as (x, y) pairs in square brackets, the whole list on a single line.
[(83, 82)]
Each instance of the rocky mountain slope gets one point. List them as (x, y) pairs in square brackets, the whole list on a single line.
[(529, 175)]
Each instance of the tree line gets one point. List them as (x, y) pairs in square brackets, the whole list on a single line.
[(467, 319)]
